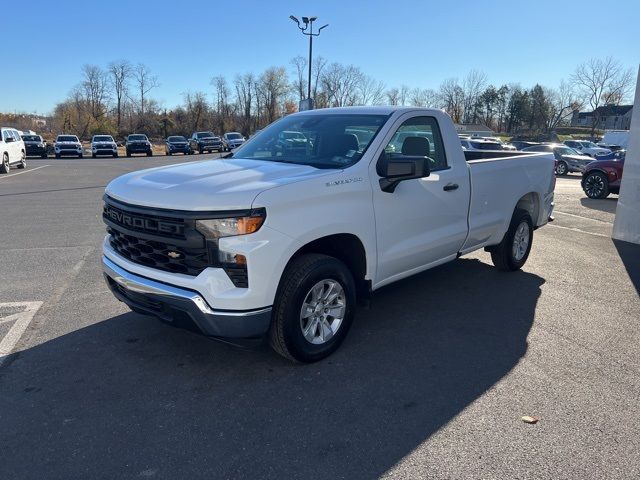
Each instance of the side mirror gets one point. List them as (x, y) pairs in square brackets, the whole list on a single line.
[(9, 140), (395, 168)]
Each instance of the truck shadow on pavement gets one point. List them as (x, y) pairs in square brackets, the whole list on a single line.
[(131, 397), (608, 204)]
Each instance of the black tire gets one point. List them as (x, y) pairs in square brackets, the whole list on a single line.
[(44, 155), (200, 151), (285, 335), (23, 162), (5, 167), (128, 154), (502, 255), (562, 169), (149, 154), (115, 155), (168, 153), (93, 155), (596, 185), (81, 155), (57, 155)]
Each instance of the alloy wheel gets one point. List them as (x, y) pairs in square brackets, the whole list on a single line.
[(323, 311)]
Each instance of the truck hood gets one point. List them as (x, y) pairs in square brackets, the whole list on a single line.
[(209, 185)]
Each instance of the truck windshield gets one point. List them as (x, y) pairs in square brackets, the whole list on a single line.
[(102, 138), (205, 135), (67, 138), (319, 140), (234, 136), (31, 138), (137, 137)]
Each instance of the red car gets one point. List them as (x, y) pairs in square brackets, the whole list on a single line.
[(602, 177)]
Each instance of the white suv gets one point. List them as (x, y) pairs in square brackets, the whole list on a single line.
[(68, 145), (12, 149)]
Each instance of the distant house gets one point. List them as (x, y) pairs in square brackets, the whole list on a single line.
[(476, 129), (609, 117)]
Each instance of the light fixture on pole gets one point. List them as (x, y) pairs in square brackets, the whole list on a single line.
[(307, 29)]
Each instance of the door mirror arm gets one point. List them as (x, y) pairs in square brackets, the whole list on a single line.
[(397, 168)]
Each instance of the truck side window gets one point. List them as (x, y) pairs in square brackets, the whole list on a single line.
[(425, 128)]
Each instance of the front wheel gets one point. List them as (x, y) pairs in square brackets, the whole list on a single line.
[(314, 308), (562, 168), (596, 185), (512, 253)]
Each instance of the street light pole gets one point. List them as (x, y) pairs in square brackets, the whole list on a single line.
[(308, 25)]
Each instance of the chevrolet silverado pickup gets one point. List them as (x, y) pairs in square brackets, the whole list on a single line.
[(281, 239)]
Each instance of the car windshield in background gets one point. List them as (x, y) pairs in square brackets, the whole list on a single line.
[(589, 145), (205, 135), (102, 138), (31, 138), (319, 140), (137, 137), (176, 139), (486, 145), (234, 136), (67, 138)]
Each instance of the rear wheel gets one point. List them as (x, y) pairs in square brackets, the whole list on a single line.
[(512, 253), (4, 166), (596, 185), (562, 168), (149, 153), (314, 308), (23, 161)]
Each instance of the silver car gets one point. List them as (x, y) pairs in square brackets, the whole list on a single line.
[(232, 140), (567, 159)]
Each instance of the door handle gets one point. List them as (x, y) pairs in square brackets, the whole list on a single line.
[(450, 186)]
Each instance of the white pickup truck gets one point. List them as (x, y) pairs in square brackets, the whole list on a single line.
[(281, 238)]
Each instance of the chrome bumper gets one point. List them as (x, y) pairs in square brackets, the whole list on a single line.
[(183, 308)]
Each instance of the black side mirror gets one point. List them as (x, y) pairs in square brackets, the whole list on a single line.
[(9, 140), (394, 168)]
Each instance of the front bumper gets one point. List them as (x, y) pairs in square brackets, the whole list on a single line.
[(183, 308), (35, 150), (138, 148)]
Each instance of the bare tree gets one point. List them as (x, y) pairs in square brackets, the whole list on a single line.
[(371, 92), (300, 83), (145, 82), (341, 82), (317, 69), (119, 75), (562, 103), (403, 95), (273, 87), (601, 82), (196, 109), (452, 98), (472, 87), (94, 90), (423, 97), (244, 85), (393, 96)]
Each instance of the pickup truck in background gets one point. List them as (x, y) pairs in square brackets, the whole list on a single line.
[(281, 242)]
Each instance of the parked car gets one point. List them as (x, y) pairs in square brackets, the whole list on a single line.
[(177, 144), (586, 147), (505, 146), (35, 146), (602, 177), (281, 242), (521, 144), (138, 143), (205, 142), (567, 159), (103, 145), (68, 145), (231, 140), (472, 144), (615, 155), (12, 149)]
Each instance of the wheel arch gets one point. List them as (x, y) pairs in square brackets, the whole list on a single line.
[(530, 203), (346, 247)]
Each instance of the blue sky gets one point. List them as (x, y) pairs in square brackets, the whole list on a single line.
[(413, 42)]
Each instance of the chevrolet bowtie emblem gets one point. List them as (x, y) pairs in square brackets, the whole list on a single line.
[(174, 254)]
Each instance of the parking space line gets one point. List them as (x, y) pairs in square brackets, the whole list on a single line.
[(580, 231), (22, 320), (24, 171), (585, 218)]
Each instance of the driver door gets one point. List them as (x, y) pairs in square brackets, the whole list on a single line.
[(424, 221)]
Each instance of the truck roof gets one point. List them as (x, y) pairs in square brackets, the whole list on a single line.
[(381, 110)]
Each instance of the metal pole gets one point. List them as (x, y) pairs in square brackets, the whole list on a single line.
[(310, 54)]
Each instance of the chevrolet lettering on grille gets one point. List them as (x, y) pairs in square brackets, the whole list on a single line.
[(142, 223)]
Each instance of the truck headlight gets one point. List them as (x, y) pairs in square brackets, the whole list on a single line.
[(232, 226)]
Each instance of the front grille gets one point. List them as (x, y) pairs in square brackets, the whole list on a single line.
[(166, 242), (68, 147), (161, 255)]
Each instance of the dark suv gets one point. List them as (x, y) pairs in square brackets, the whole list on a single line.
[(35, 146), (138, 143), (603, 177), (205, 142)]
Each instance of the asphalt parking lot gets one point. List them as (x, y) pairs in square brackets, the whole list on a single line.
[(432, 381)]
